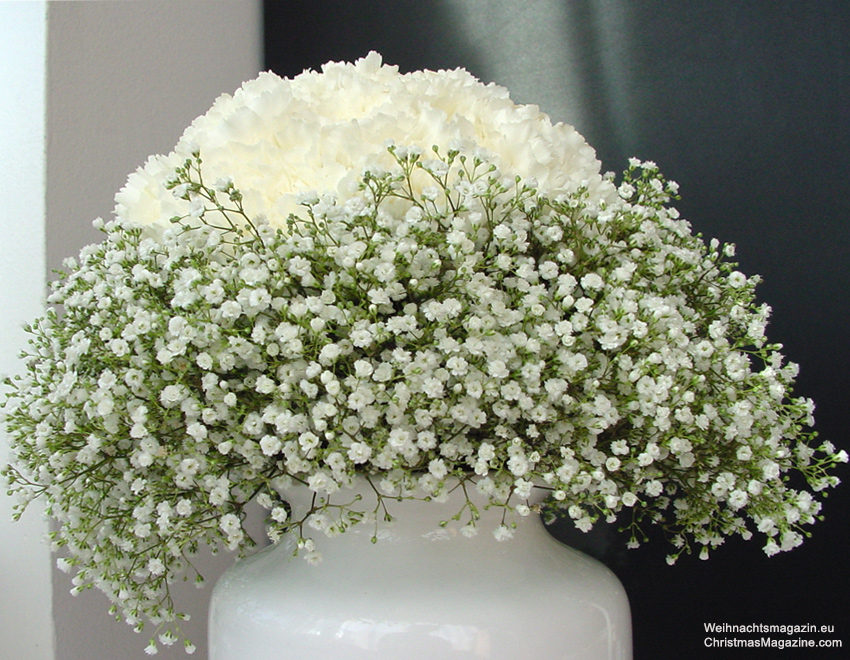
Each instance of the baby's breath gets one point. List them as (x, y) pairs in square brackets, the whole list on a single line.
[(465, 329)]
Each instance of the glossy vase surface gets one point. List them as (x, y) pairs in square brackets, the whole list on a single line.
[(422, 592)]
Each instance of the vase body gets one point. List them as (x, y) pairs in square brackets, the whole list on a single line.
[(422, 592)]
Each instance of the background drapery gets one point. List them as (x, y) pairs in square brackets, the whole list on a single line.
[(745, 105)]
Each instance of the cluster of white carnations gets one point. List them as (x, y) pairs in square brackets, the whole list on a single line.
[(440, 318), (279, 138)]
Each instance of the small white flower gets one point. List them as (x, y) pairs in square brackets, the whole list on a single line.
[(771, 547), (363, 369), (359, 452), (592, 281), (204, 360), (629, 499), (498, 369), (218, 495), (270, 445), (738, 499), (770, 470), (654, 488), (230, 524), (230, 310), (184, 507), (469, 531), (172, 395), (156, 567), (522, 488), (437, 467), (744, 453), (197, 430), (322, 482), (737, 280), (518, 465), (503, 533), (190, 466)]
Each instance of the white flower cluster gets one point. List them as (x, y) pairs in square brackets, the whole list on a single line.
[(277, 138), (443, 319)]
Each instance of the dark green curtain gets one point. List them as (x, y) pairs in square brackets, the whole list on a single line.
[(745, 104)]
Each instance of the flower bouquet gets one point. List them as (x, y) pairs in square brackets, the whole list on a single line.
[(411, 278)]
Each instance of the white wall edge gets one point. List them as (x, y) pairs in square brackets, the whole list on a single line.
[(26, 623)]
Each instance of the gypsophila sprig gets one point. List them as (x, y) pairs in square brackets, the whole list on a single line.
[(448, 320)]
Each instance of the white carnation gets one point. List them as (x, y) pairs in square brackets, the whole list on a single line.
[(277, 139)]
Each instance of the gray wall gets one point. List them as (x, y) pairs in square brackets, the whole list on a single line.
[(124, 80)]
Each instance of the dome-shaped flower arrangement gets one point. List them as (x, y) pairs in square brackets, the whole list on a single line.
[(411, 278)]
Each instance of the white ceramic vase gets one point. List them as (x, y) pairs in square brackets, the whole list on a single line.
[(422, 593)]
